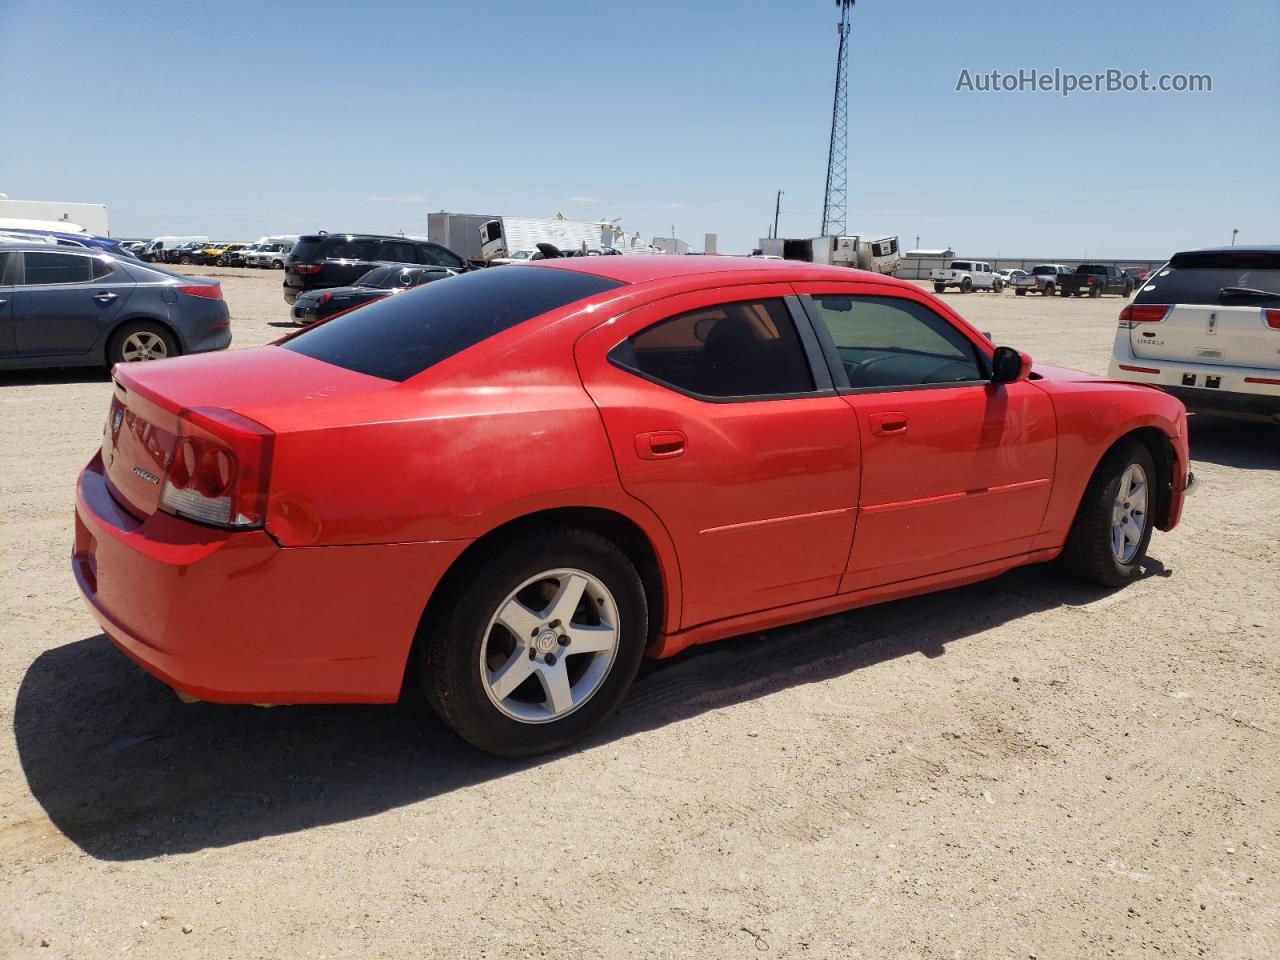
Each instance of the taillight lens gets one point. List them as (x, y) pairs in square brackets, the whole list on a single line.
[(209, 291), (307, 269), (219, 469), (1144, 313), (1273, 318)]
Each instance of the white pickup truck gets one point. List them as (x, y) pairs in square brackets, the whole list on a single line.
[(1205, 327), (966, 275)]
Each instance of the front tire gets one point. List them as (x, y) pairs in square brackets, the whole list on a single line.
[(534, 644), (1113, 525)]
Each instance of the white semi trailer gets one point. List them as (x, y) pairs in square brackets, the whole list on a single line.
[(56, 215), (481, 238), (878, 254)]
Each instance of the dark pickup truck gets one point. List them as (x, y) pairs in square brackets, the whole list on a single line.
[(1095, 279)]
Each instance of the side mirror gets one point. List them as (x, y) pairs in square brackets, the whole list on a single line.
[(1009, 366)]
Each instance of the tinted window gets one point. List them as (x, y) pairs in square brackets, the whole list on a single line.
[(395, 252), (441, 257), (892, 342), (310, 249), (960, 265), (5, 260), (744, 349), (399, 337), (43, 268), (1044, 271), (381, 277), (100, 268), (1218, 282)]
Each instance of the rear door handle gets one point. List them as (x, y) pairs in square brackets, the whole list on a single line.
[(660, 444), (888, 424), (106, 297)]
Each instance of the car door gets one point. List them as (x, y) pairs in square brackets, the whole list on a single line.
[(8, 340), (956, 471), (723, 421), (63, 303)]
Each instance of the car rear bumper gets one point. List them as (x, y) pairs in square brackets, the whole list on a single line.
[(236, 618), (1239, 392)]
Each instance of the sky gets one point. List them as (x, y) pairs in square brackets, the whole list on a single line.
[(237, 119)]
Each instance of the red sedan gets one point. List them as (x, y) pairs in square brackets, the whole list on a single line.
[(517, 482)]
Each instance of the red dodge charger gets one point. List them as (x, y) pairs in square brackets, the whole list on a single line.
[(517, 482)]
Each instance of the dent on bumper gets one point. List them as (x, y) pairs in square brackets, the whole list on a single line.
[(235, 618)]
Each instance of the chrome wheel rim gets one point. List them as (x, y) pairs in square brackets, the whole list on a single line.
[(143, 345), (550, 645), (1129, 514)]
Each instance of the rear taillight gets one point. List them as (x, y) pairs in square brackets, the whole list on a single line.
[(209, 291), (1144, 313), (1273, 318), (1125, 366), (307, 269), (219, 469)]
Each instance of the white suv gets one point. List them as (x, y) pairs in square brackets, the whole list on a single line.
[(967, 275), (1205, 327)]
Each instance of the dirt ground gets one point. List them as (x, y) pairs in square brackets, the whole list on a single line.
[(1020, 768)]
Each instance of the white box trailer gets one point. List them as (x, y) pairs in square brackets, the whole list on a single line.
[(878, 254), (482, 238), (67, 217)]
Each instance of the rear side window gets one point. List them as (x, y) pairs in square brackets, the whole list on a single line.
[(961, 265), (744, 349), (399, 337), (893, 342), (50, 268), (395, 252), (1247, 278), (441, 257)]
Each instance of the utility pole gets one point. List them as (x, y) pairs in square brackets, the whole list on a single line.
[(777, 209), (1233, 237), (835, 200), (917, 241)]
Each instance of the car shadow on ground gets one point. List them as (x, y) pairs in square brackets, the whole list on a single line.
[(52, 375), (128, 772), (1245, 444)]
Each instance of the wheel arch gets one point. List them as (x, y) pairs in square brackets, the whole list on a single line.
[(1163, 456), (114, 331)]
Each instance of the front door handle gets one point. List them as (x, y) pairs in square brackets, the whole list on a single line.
[(105, 297), (888, 424), (660, 444), (3, 302)]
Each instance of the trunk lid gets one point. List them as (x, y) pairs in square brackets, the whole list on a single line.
[(143, 423)]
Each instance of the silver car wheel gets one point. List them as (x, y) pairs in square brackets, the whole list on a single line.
[(550, 645), (143, 345), (1129, 514)]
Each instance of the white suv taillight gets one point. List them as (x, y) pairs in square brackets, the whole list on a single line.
[(219, 469)]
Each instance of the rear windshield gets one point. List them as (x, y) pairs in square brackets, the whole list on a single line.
[(1092, 268), (1221, 278), (1044, 269), (399, 337), (960, 265), (381, 277), (311, 249)]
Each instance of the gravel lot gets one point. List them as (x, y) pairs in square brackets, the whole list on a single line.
[(1022, 768)]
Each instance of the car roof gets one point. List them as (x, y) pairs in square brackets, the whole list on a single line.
[(642, 269), (1257, 248)]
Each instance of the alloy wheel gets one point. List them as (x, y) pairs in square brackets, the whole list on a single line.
[(143, 345), (550, 645), (1129, 514)]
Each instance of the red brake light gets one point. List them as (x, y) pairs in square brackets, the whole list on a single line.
[(209, 291), (219, 469), (308, 269), (1144, 313), (1125, 366), (1273, 318)]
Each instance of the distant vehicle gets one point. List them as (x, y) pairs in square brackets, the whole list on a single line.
[(517, 256), (81, 240), (322, 260), (382, 281), (966, 276), (1009, 276), (207, 254), (1095, 279), (877, 254), (228, 252), (483, 238), (159, 247), (64, 308), (1205, 327), (236, 258), (1043, 279), (134, 247), (185, 253), (271, 256)]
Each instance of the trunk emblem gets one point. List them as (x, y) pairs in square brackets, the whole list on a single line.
[(149, 477), (1213, 323)]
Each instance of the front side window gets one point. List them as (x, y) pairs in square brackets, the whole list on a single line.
[(398, 252), (49, 268), (893, 342), (440, 257), (744, 349)]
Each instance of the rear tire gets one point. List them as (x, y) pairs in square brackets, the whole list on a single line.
[(966, 285), (140, 341), (1019, 293), (1095, 292), (1049, 290), (185, 261), (939, 287), (277, 264), (1113, 524), (465, 644)]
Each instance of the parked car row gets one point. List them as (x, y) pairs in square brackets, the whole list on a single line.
[(320, 261)]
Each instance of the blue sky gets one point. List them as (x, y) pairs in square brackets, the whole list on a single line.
[(235, 119)]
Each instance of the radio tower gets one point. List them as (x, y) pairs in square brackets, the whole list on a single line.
[(833, 204)]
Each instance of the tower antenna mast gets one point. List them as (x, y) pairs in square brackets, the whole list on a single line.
[(836, 198)]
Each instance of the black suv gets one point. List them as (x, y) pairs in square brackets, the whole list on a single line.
[(322, 260)]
